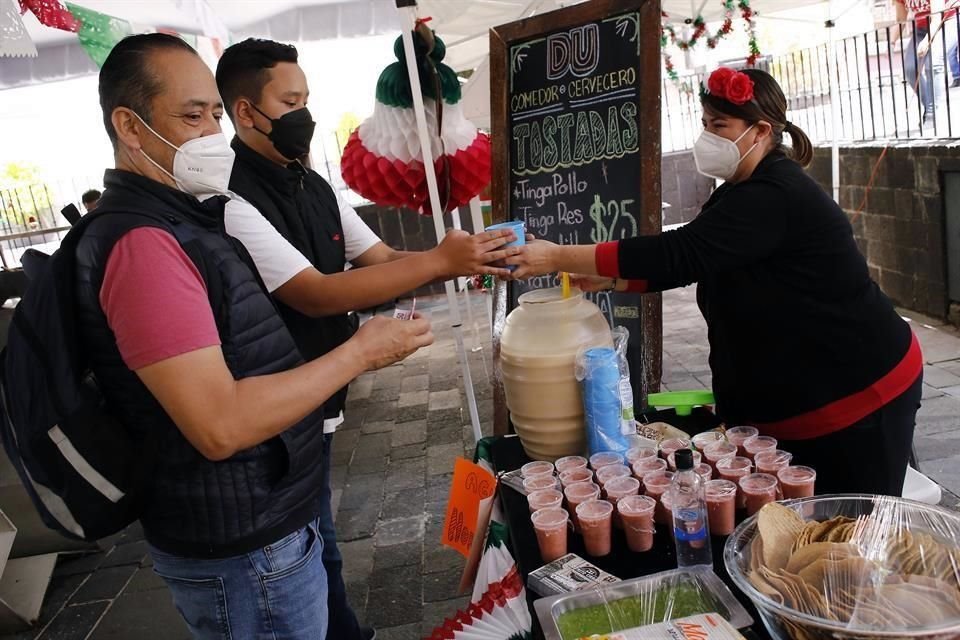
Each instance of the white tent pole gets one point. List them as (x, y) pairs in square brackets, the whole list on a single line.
[(408, 16), (834, 75), (462, 284)]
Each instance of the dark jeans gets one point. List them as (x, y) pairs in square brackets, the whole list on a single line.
[(343, 623), (869, 456)]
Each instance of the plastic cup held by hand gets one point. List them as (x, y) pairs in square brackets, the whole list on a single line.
[(758, 489), (577, 494), (538, 468), (756, 444), (569, 463), (405, 309), (539, 483), (721, 498), (574, 476), (550, 526), (739, 435), (797, 482), (519, 230), (636, 512), (772, 461), (639, 453), (545, 499), (596, 524)]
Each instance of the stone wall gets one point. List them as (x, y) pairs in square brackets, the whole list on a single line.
[(899, 225), (683, 188)]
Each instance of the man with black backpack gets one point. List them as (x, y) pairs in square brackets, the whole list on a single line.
[(220, 423)]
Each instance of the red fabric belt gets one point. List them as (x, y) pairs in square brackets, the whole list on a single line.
[(850, 410)]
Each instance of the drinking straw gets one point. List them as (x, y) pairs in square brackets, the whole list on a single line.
[(565, 284)]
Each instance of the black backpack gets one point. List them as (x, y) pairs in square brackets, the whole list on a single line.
[(79, 464)]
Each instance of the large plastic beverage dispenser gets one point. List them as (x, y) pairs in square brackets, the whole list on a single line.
[(537, 351)]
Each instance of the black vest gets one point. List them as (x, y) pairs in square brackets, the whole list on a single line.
[(197, 507), (303, 208)]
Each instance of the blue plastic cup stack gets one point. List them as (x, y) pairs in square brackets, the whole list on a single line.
[(601, 400)]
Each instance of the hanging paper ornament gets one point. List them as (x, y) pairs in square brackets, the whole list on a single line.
[(14, 39), (99, 32), (382, 160), (50, 13)]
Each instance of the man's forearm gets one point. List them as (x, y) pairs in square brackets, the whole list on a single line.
[(315, 294), (265, 406), (221, 416)]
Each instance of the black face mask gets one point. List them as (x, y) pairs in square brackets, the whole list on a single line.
[(291, 133)]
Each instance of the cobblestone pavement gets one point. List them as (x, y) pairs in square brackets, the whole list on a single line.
[(393, 461)]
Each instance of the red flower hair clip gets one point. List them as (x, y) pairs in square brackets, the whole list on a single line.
[(730, 85)]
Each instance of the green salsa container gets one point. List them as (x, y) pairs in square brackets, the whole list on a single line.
[(639, 602)]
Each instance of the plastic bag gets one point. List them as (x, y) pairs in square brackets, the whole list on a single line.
[(854, 567), (604, 377), (630, 604)]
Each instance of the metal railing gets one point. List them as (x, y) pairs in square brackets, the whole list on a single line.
[(30, 215), (881, 95)]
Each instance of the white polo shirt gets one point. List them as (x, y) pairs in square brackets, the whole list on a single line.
[(278, 261)]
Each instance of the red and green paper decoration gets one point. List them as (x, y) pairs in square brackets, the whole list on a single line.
[(382, 160), (50, 13), (668, 34), (98, 32)]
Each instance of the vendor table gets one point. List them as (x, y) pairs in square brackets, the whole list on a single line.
[(508, 455)]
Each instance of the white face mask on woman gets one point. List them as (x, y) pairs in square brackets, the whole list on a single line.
[(201, 167), (718, 157)]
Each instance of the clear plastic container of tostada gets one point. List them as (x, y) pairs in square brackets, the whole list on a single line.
[(850, 567)]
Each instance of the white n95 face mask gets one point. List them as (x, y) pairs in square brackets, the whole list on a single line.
[(201, 167), (716, 156)]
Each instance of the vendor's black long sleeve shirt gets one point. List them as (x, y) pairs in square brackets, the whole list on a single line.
[(795, 323)]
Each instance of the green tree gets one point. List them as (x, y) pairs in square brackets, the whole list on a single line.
[(23, 193), (347, 125)]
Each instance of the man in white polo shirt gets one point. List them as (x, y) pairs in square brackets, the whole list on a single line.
[(301, 235)]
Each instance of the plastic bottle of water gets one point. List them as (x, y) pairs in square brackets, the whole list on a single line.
[(691, 532)]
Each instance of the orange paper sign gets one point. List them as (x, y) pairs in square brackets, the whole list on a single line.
[(471, 484)]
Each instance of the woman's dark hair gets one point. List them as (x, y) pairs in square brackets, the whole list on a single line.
[(244, 69), (127, 78), (769, 105)]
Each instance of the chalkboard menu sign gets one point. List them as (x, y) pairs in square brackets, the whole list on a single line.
[(576, 131)]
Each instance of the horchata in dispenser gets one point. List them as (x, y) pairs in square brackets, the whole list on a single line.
[(538, 348)]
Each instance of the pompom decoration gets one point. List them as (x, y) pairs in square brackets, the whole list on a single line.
[(730, 85), (382, 160)]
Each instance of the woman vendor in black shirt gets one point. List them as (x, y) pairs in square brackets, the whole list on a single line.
[(803, 344)]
